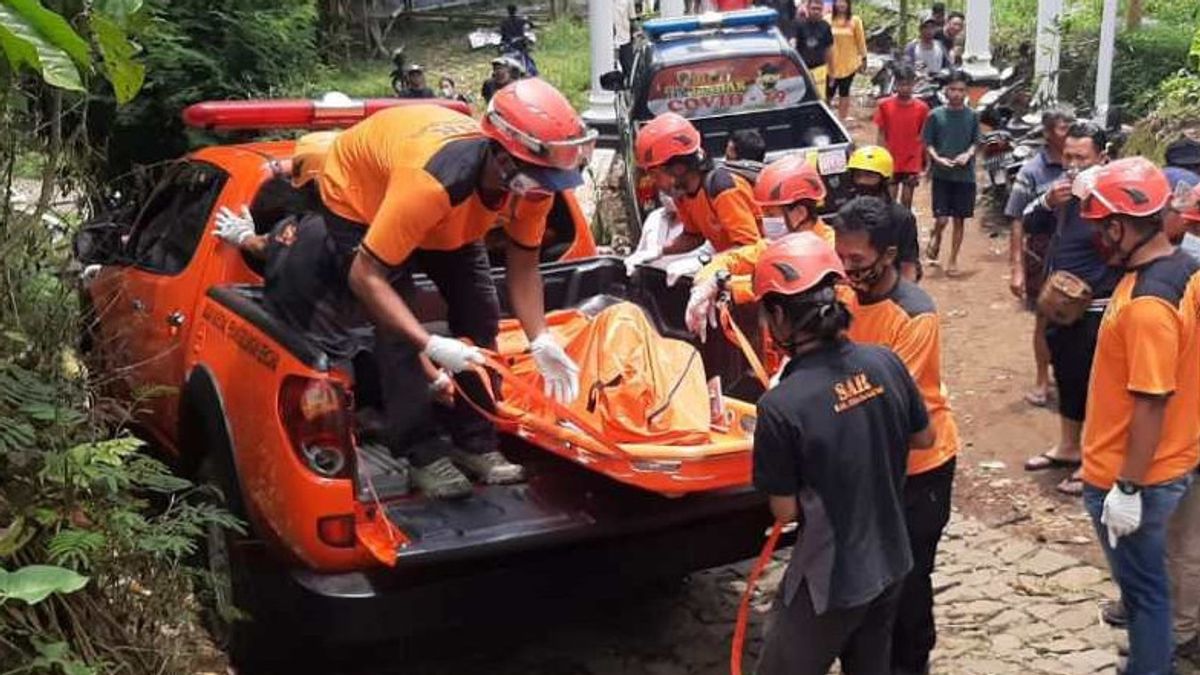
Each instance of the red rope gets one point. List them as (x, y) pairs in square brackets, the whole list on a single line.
[(743, 614)]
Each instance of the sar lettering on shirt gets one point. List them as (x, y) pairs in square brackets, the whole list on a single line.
[(411, 176), (723, 211), (906, 322), (1147, 346), (740, 262)]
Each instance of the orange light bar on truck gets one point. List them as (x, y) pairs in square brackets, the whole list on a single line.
[(331, 111)]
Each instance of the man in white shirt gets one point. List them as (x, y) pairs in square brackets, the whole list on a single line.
[(622, 35)]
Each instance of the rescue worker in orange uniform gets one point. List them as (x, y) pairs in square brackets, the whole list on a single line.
[(1141, 433), (789, 189), (415, 189), (891, 311), (713, 203)]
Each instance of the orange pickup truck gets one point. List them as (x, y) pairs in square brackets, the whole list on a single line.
[(336, 548)]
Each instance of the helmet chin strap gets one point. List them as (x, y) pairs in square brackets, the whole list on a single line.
[(1126, 257)]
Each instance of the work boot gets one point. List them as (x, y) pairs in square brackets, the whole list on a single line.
[(440, 479), (489, 468)]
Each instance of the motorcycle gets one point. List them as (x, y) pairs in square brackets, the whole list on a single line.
[(930, 88), (882, 40), (518, 50), (883, 82)]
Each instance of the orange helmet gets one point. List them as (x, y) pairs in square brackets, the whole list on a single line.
[(309, 155), (1187, 203), (794, 264), (535, 123), (788, 181), (1133, 186), (664, 137)]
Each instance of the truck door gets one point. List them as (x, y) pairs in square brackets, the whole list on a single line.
[(150, 298)]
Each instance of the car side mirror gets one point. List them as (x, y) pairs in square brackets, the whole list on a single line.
[(99, 243), (613, 80)]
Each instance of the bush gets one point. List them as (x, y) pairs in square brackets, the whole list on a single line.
[(1177, 112), (1144, 59), (205, 49)]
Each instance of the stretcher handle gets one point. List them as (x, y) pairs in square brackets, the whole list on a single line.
[(494, 362), (743, 613), (735, 335)]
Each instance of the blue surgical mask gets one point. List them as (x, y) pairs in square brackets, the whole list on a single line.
[(774, 227)]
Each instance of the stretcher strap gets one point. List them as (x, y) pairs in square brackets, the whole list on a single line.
[(563, 413), (737, 337), (743, 614)]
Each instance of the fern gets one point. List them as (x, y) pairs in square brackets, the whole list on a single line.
[(75, 548)]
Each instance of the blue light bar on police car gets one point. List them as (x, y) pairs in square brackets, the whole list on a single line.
[(760, 17)]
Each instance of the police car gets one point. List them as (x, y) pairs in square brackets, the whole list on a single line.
[(725, 72)]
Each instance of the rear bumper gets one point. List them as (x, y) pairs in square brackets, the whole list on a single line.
[(416, 597)]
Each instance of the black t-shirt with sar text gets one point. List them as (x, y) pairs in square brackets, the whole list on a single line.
[(835, 434), (813, 40)]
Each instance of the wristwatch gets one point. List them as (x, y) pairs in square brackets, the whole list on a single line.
[(1128, 487)]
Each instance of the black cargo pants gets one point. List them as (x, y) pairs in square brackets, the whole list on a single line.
[(926, 510), (307, 285)]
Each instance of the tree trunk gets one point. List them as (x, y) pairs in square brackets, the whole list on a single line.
[(1133, 15), (902, 28)]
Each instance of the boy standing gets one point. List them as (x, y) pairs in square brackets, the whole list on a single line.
[(951, 134), (900, 118)]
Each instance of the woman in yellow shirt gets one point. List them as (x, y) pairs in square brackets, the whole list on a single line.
[(848, 56)]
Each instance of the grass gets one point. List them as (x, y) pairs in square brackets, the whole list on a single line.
[(561, 53)]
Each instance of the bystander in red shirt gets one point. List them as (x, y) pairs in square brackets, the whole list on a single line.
[(900, 122), (731, 5)]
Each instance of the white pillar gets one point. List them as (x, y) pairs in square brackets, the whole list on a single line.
[(1108, 38), (600, 110), (671, 7), (977, 53), (1049, 42)]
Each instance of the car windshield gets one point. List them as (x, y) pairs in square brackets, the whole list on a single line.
[(726, 86)]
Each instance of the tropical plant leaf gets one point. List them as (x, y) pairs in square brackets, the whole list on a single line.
[(125, 74), (58, 52), (119, 11), (14, 537), (34, 583), (74, 548), (51, 654)]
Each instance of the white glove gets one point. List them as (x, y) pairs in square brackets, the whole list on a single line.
[(701, 308), (680, 268), (451, 354), (1122, 514), (558, 370), (234, 228), (639, 258)]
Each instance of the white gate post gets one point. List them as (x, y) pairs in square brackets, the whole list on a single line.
[(977, 53), (600, 110), (1049, 42), (1108, 38)]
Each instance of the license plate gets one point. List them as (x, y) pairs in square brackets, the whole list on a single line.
[(831, 162)]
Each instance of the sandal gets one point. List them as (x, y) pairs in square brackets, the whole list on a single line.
[(1072, 485), (1046, 461), (1037, 398)]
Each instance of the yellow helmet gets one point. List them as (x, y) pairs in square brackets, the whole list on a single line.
[(309, 156), (872, 158)]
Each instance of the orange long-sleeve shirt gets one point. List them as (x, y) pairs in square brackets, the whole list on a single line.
[(740, 262), (723, 211)]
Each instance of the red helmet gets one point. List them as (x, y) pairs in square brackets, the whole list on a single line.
[(1187, 203), (1133, 186), (794, 264), (535, 123), (666, 136), (788, 181)]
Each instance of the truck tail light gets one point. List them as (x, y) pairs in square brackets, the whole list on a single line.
[(316, 415), (331, 111)]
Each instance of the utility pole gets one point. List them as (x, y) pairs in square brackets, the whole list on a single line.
[(1108, 39), (1049, 42), (977, 55), (601, 113), (903, 27)]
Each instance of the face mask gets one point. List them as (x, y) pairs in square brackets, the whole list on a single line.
[(865, 190), (1190, 245), (774, 227), (864, 278)]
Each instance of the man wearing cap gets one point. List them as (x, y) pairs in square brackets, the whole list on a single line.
[(505, 70), (926, 53), (414, 79), (1141, 437), (1183, 161)]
